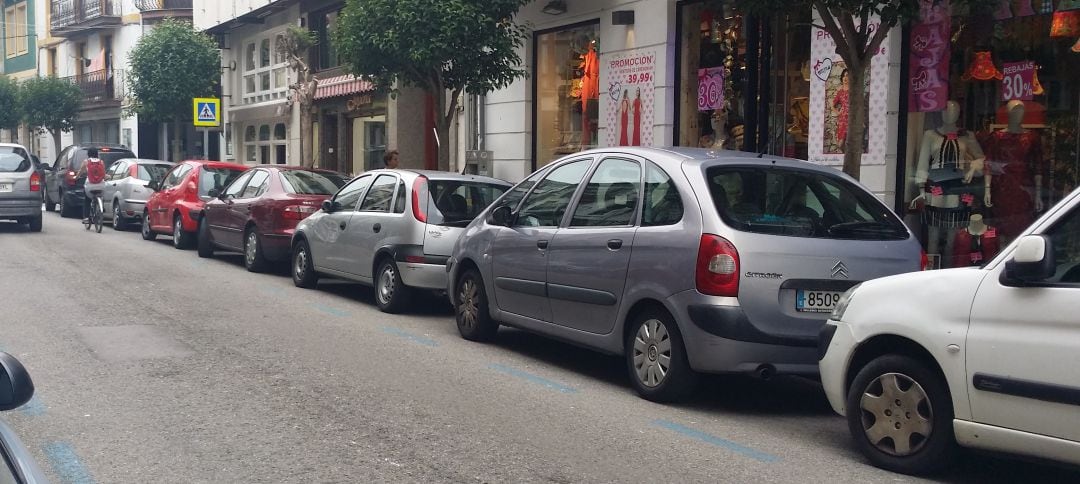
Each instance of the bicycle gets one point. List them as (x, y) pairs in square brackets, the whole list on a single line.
[(96, 210)]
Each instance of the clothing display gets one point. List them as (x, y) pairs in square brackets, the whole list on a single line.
[(637, 122), (842, 104), (590, 89), (1015, 158), (974, 249)]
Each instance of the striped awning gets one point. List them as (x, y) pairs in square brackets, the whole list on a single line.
[(342, 86)]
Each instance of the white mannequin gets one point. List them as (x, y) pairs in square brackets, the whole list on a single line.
[(718, 121), (976, 225), (1016, 112)]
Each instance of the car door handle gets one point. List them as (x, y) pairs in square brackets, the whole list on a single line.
[(614, 244), (342, 225), (542, 244), (376, 228)]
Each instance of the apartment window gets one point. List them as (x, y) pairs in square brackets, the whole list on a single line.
[(322, 23), (260, 146), (16, 36), (265, 75)]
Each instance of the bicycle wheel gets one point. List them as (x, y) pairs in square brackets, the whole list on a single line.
[(98, 214), (89, 220)]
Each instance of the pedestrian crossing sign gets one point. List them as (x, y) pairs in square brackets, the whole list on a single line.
[(207, 112)]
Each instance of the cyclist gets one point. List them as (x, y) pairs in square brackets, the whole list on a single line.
[(94, 169)]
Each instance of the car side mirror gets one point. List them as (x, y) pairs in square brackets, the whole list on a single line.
[(502, 215), (16, 388), (328, 206), (1033, 260)]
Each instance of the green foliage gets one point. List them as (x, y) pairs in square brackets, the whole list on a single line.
[(50, 104), (10, 107), (298, 40), (169, 66), (469, 45)]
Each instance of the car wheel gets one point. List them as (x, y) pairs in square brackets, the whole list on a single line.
[(474, 321), (203, 243), (254, 260), (303, 270), (390, 293), (65, 208), (181, 239), (147, 232), (900, 414), (35, 224), (656, 358), (118, 222), (50, 206)]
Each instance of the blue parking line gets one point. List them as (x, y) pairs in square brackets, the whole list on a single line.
[(717, 441), (411, 337), (33, 408), (532, 378), (330, 310), (67, 464)]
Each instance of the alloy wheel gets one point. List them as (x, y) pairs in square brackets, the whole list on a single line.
[(468, 303), (178, 230), (897, 417), (146, 225), (116, 215), (250, 247), (652, 352)]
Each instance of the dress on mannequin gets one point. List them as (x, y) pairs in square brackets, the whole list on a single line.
[(975, 244), (1019, 160), (590, 89)]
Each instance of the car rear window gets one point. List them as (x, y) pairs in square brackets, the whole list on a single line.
[(13, 159), (150, 172), (458, 202), (304, 182), (799, 203), (108, 157), (214, 178)]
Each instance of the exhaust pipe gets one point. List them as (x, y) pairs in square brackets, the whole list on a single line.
[(765, 372)]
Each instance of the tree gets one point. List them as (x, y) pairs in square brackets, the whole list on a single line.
[(171, 65), (859, 28), (51, 105), (452, 45), (296, 44), (10, 107)]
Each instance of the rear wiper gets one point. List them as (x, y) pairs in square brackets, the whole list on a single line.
[(865, 226)]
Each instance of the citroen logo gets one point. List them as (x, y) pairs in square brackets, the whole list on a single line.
[(839, 270)]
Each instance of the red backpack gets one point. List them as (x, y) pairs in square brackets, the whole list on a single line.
[(95, 170)]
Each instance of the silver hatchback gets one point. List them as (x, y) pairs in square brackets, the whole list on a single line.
[(391, 229), (683, 260), (125, 193), (20, 187)]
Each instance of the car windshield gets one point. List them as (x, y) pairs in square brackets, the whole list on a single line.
[(458, 202), (214, 178), (151, 171), (13, 159), (800, 204), (305, 182)]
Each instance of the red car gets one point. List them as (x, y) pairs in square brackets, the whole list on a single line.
[(258, 212), (179, 197)]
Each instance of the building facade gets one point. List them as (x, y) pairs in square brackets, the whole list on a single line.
[(20, 26)]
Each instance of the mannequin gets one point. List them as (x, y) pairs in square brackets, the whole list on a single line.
[(949, 159), (1017, 155), (975, 244), (718, 121)]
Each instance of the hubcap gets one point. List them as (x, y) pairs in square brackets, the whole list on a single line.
[(146, 224), (652, 353), (896, 414), (301, 263), (249, 251), (386, 284), (116, 214), (177, 230), (468, 303)]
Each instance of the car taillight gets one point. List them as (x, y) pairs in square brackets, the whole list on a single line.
[(297, 212), (924, 262), (69, 178), (35, 182), (717, 267), (420, 192)]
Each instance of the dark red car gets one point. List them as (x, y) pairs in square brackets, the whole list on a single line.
[(179, 197), (257, 213)]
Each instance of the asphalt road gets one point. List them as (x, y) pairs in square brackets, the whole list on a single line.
[(153, 365)]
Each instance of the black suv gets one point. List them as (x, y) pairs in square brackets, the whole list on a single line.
[(64, 184)]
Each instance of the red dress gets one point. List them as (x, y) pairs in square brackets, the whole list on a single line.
[(842, 103), (1016, 158), (624, 120), (974, 250), (637, 122)]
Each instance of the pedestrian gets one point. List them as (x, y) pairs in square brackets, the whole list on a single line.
[(390, 159)]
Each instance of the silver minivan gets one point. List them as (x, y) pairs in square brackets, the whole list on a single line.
[(391, 229), (683, 260), (20, 187)]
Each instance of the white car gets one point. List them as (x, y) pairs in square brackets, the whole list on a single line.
[(982, 357)]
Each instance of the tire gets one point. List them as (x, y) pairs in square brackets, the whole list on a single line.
[(920, 404), (302, 267), (653, 339), (35, 224), (147, 232), (118, 222), (65, 209), (254, 259), (391, 294), (203, 244), (181, 239), (96, 215), (471, 309), (50, 206)]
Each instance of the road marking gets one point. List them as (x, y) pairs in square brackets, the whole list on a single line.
[(411, 337), (532, 378), (717, 441), (66, 463), (330, 310), (33, 408)]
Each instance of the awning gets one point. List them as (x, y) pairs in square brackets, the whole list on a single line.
[(342, 86)]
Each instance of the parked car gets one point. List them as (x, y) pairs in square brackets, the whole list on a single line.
[(20, 187), (125, 192), (682, 260), (982, 357), (177, 202), (16, 388), (392, 229), (258, 212), (64, 184)]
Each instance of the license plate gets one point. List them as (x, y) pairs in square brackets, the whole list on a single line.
[(5, 187), (816, 301)]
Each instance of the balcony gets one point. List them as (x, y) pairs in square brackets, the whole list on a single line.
[(161, 9), (100, 88), (70, 17)]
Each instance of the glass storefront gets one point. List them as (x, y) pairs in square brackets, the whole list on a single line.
[(567, 80), (993, 124)]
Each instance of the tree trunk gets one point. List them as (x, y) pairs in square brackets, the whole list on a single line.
[(442, 129), (307, 159), (176, 140), (856, 121), (56, 143)]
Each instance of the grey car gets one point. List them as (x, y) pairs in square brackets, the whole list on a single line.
[(16, 388), (20, 187), (391, 229), (685, 261), (125, 191)]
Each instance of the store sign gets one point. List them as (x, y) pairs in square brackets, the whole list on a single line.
[(631, 77), (710, 94), (928, 85), (360, 101), (1018, 81)]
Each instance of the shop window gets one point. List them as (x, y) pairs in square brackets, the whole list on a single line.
[(567, 80)]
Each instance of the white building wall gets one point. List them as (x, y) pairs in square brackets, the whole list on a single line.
[(208, 13)]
